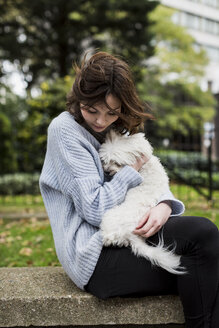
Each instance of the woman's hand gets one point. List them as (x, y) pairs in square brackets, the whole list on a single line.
[(154, 219), (140, 161)]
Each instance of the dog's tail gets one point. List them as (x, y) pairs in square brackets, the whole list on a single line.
[(157, 255)]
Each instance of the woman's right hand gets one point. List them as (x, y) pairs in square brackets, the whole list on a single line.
[(140, 161)]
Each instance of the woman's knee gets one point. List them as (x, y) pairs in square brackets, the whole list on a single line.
[(193, 231), (205, 236)]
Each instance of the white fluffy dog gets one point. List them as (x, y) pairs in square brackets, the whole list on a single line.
[(119, 222)]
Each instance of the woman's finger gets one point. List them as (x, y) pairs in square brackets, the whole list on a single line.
[(142, 231), (143, 221), (150, 233)]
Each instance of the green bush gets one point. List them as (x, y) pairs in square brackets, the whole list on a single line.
[(191, 168), (19, 183)]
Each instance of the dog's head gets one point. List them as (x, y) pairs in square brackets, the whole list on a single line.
[(119, 150)]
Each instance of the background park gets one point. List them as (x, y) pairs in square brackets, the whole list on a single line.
[(39, 44)]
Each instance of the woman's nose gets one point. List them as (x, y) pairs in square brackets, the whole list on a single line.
[(101, 120)]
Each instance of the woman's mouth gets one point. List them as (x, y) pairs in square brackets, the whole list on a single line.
[(99, 127)]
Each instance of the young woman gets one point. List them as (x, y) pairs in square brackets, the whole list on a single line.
[(77, 192)]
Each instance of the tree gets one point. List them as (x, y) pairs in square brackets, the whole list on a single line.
[(32, 134), (172, 80), (11, 110), (46, 36), (8, 160)]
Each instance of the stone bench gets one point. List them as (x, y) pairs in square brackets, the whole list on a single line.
[(45, 297)]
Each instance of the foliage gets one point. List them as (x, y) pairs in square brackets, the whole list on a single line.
[(172, 80), (181, 167), (175, 48), (190, 168), (12, 112), (52, 98), (8, 161), (44, 38), (41, 110), (19, 183)]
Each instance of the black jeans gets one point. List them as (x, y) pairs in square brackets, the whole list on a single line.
[(120, 273)]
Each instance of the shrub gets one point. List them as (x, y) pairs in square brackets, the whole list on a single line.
[(190, 168), (19, 183)]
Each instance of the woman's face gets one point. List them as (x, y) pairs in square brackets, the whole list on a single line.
[(99, 117)]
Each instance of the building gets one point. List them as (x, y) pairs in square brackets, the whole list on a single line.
[(201, 19)]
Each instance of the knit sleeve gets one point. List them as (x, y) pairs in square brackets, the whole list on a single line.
[(80, 175), (92, 198), (177, 206)]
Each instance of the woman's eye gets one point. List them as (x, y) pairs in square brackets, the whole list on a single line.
[(90, 111), (112, 113)]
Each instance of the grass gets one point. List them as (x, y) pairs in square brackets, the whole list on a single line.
[(21, 204), (29, 242), (197, 205)]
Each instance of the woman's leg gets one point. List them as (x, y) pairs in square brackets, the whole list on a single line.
[(120, 273), (197, 240), (215, 314)]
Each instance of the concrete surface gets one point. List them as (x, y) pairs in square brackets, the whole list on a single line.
[(47, 297)]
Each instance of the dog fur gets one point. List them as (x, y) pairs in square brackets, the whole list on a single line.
[(119, 222)]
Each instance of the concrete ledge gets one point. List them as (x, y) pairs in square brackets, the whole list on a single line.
[(47, 297)]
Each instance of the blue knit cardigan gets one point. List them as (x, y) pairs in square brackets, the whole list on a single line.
[(76, 195)]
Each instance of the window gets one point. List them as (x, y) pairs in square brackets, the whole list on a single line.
[(210, 26), (190, 21), (211, 3), (213, 53), (176, 17), (197, 23)]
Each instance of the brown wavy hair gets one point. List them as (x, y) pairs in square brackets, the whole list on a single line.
[(99, 76)]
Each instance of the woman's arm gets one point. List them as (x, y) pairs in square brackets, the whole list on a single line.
[(154, 219), (158, 215), (92, 197), (76, 165), (177, 206)]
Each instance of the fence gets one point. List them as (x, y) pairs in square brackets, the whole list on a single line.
[(185, 163), (188, 160)]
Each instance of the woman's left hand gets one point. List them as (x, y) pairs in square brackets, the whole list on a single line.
[(154, 219)]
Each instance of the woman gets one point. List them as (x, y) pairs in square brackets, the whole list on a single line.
[(76, 193)]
